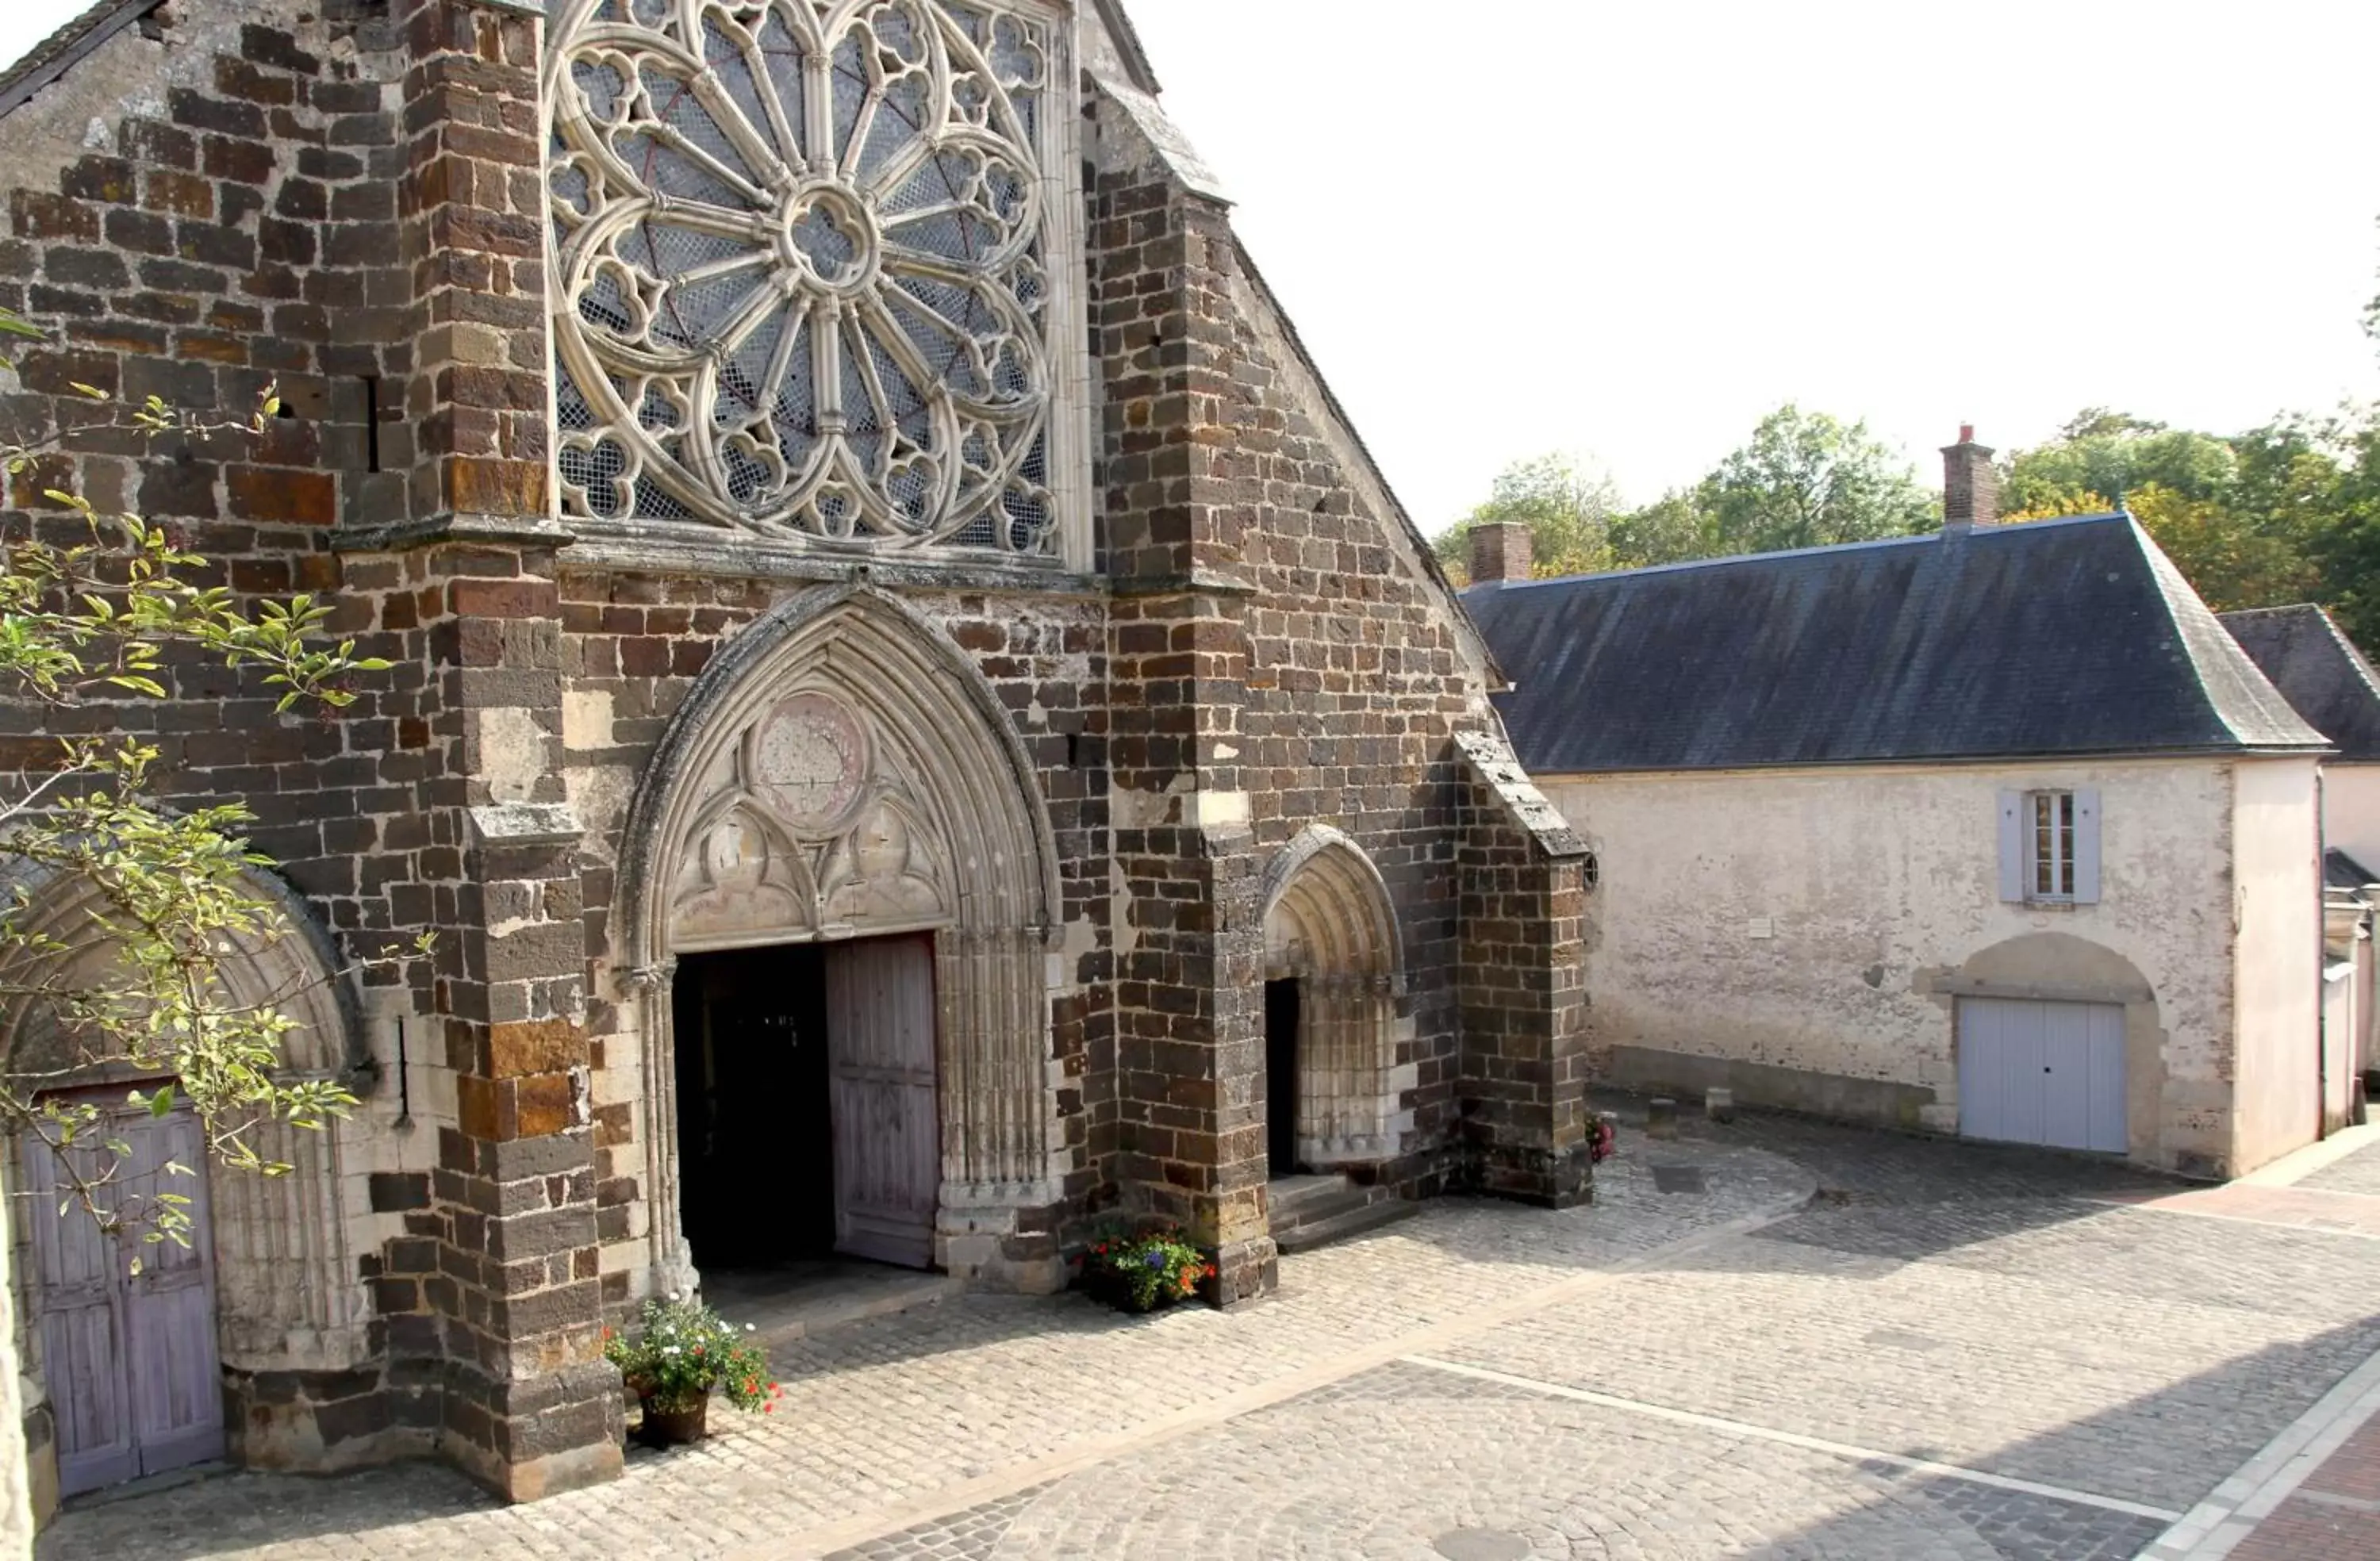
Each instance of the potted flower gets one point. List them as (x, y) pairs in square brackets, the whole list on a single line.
[(1144, 1272), (683, 1350)]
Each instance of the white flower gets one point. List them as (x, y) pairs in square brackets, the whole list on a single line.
[(672, 1295), (747, 1328)]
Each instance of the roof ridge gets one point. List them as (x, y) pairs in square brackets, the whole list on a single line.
[(1722, 560), (63, 49), (2355, 657)]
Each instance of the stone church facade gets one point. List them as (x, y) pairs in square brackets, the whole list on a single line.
[(903, 677)]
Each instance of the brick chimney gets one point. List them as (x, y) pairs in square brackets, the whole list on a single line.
[(1499, 551), (1970, 488)]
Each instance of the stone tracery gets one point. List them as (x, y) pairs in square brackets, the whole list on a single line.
[(803, 255)]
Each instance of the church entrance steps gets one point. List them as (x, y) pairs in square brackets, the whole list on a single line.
[(1314, 1211), (805, 1299)]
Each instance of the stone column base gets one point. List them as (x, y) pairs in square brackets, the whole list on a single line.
[(1001, 1245), (1245, 1270), (1546, 1178), (530, 1440)]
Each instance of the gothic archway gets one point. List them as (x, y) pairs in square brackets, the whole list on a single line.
[(288, 1298), (842, 770), (1330, 926)]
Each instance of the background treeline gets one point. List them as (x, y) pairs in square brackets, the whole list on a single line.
[(2288, 512)]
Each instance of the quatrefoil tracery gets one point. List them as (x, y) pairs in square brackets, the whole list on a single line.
[(801, 246)]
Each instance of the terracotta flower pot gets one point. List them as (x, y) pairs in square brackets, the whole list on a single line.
[(674, 1428)]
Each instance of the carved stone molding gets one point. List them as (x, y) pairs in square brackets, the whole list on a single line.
[(842, 770)]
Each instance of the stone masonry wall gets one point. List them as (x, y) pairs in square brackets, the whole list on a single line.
[(1292, 657), (196, 217)]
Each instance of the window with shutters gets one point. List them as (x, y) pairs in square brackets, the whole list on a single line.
[(2049, 847), (815, 271)]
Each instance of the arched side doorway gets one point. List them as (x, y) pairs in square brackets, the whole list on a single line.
[(132, 1371), (1334, 972), (844, 791)]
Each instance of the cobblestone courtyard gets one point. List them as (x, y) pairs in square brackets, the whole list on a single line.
[(1772, 1341)]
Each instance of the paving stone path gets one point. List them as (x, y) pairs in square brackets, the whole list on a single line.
[(1847, 1347)]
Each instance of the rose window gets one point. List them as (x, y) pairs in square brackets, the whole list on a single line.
[(803, 268)]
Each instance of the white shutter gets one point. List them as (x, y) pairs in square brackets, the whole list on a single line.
[(2086, 847), (2012, 845)]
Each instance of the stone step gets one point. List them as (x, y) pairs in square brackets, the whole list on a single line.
[(1312, 1233), (1292, 1196), (1315, 1207)]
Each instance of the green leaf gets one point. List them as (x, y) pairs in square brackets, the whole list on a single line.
[(161, 1103)]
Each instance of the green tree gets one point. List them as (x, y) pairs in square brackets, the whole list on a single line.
[(1803, 480), (2100, 457), (2227, 558), (1806, 480), (1567, 504), (1671, 530), (2250, 519)]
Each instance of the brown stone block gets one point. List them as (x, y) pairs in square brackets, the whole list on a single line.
[(184, 195), (283, 494), (480, 486), (485, 1109), (614, 1125), (543, 1046), (503, 598), (546, 1102)]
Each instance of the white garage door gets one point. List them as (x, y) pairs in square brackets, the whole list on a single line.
[(2042, 1072)]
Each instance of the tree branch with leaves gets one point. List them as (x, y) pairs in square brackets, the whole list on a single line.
[(121, 915)]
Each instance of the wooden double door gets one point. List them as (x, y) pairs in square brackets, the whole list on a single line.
[(129, 1358), (810, 1069)]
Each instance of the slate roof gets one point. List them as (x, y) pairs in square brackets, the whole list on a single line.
[(2318, 669), (57, 53), (2343, 871), (2073, 636)]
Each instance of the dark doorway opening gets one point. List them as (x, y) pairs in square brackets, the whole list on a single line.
[(755, 1134), (1280, 1075)]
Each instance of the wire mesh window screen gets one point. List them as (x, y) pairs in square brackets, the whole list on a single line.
[(805, 248)]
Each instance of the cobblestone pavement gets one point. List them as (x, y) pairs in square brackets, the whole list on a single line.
[(1927, 1350)]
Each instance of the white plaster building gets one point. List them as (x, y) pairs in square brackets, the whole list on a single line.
[(2328, 680), (1994, 832)]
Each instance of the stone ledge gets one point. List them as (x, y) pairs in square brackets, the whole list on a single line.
[(441, 530), (603, 545), (527, 823)]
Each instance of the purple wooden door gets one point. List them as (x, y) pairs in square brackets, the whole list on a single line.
[(129, 1359), (880, 1022)]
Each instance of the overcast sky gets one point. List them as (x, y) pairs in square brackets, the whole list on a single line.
[(1631, 229)]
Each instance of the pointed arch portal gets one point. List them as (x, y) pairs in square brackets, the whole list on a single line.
[(1331, 929), (843, 772)]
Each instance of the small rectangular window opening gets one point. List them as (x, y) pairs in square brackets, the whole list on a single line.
[(2050, 839), (372, 422)]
